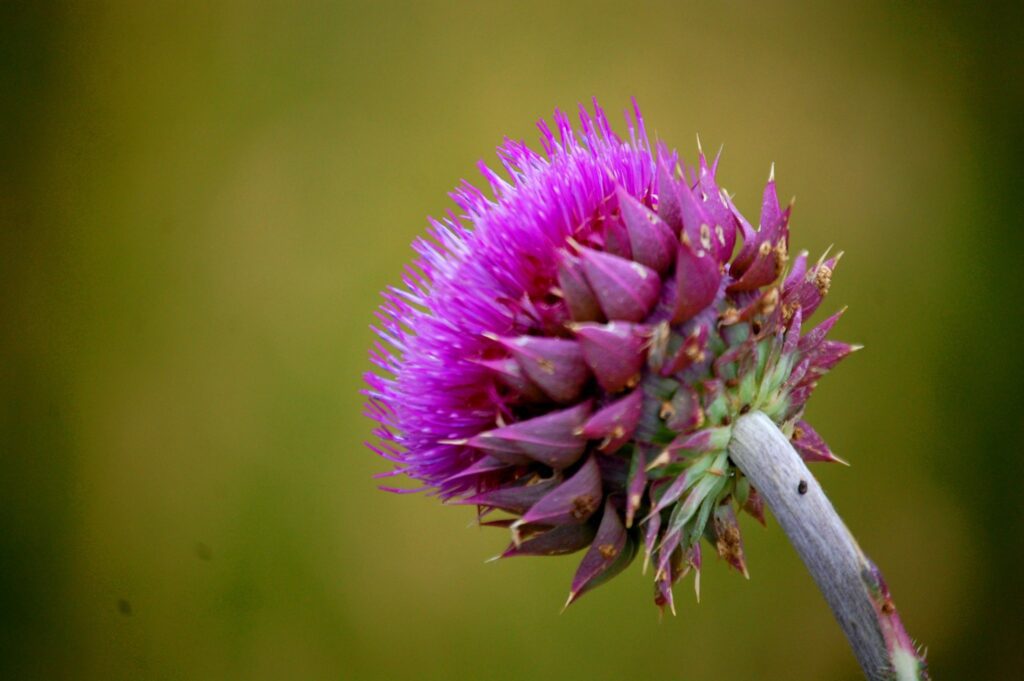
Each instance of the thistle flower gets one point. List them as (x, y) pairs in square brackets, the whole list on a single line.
[(570, 355)]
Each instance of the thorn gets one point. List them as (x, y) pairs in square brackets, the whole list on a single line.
[(517, 538), (460, 441), (568, 602), (771, 173), (856, 347), (661, 460), (696, 585), (493, 559), (700, 149), (824, 256)]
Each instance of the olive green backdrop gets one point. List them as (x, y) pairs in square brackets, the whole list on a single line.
[(200, 202)]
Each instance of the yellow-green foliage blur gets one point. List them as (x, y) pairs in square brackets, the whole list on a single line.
[(200, 202)]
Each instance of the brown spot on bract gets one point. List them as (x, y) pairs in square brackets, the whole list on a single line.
[(705, 237), (583, 506), (823, 279), (769, 302), (888, 607), (802, 487), (607, 550), (728, 542)]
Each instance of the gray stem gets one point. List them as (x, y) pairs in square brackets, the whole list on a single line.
[(849, 581)]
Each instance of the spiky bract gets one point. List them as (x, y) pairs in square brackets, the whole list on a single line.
[(573, 352)]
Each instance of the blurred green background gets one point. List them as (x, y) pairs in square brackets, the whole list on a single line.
[(201, 201)]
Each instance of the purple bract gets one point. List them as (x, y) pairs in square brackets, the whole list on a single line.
[(572, 352)]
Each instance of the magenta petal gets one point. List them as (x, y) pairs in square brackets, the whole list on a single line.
[(696, 222), (764, 270), (811, 290), (571, 502), (556, 365), (625, 289), (697, 282), (578, 296), (487, 464), (670, 570), (616, 238), (748, 250), (796, 274), (551, 439), (723, 233), (770, 209), (763, 256), (615, 423), (558, 541), (650, 239), (669, 208), (510, 374), (611, 551), (792, 339), (515, 498), (824, 357), (614, 352), (813, 338), (810, 445)]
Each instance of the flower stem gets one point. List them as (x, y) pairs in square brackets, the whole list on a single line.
[(850, 582)]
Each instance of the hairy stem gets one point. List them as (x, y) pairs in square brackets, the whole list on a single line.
[(850, 582)]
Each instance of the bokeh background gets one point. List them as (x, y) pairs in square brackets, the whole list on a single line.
[(201, 201)]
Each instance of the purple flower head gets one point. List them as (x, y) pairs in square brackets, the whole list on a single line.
[(570, 354)]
